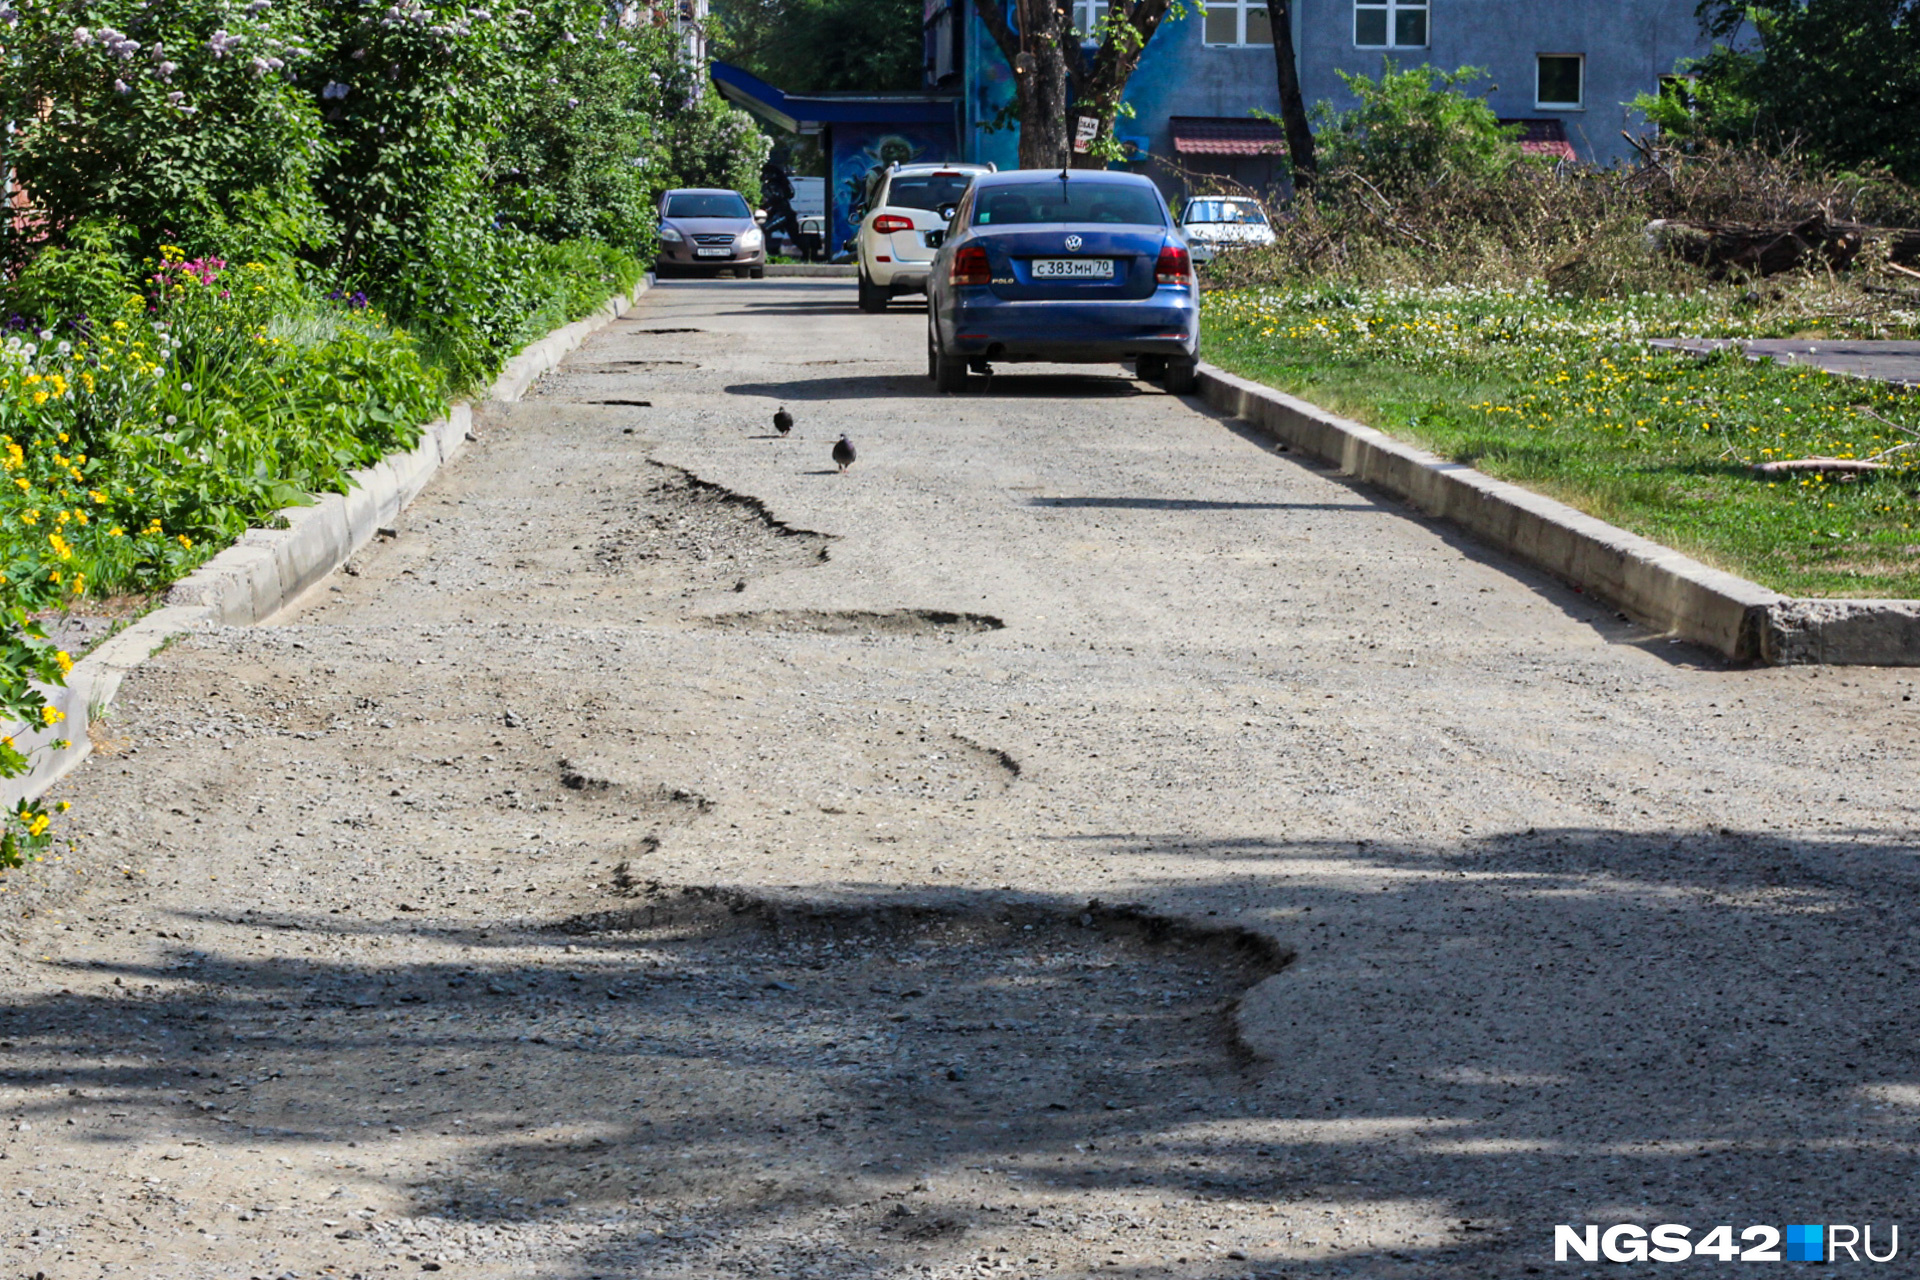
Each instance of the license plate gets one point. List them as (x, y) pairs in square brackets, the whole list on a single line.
[(1073, 268), (713, 253)]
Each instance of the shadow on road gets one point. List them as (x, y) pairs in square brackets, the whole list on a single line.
[(1480, 1040), (1198, 504), (1102, 385)]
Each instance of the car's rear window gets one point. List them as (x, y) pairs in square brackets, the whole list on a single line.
[(707, 204), (1057, 201), (928, 190)]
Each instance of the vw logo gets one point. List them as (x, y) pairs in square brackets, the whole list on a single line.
[(1074, 243)]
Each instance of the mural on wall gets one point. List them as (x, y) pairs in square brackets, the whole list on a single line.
[(860, 149)]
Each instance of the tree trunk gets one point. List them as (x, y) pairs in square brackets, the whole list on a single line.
[(1293, 106), (1035, 49), (1098, 83)]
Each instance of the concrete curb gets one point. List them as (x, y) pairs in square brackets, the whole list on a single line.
[(269, 568), (837, 270), (1683, 597)]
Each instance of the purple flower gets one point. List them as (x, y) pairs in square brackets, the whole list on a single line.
[(334, 90), (220, 43), (82, 37), (166, 70), (175, 98), (121, 86)]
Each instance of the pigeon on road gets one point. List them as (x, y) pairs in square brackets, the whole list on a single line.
[(782, 420), (843, 453)]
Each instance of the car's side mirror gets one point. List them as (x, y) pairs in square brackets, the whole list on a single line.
[(848, 244), (935, 239)]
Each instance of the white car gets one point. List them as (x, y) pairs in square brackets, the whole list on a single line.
[(1217, 223), (908, 208)]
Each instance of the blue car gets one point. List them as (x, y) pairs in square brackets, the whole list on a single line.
[(1077, 265)]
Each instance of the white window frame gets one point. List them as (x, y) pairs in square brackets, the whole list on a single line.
[(1393, 9), (1581, 104), (1239, 9), (1087, 15)]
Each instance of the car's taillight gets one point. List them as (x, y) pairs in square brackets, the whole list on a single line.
[(970, 266), (1175, 266), (888, 223)]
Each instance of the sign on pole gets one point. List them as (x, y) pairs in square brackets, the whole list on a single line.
[(1084, 129)]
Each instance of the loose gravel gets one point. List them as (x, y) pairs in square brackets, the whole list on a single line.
[(666, 856)]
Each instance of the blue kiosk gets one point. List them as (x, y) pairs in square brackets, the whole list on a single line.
[(858, 132)]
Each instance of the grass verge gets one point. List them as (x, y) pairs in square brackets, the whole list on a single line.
[(1562, 395)]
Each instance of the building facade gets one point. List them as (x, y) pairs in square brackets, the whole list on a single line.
[(1567, 71)]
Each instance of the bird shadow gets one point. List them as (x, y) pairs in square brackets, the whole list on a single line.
[(770, 435), (825, 471)]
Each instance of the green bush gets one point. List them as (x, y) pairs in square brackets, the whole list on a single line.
[(712, 145), (162, 114), (1414, 128)]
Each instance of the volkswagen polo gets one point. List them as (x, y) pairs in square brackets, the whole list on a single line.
[(1075, 266)]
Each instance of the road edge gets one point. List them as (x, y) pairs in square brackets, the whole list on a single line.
[(266, 569), (1675, 593)]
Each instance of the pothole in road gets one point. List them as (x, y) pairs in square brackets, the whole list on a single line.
[(594, 776), (704, 535), (858, 622), (631, 366)]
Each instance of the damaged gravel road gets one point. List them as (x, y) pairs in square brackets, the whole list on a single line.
[(1077, 842)]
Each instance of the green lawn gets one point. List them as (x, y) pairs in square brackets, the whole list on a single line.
[(1563, 396)]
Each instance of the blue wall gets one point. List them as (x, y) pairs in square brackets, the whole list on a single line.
[(1629, 45)]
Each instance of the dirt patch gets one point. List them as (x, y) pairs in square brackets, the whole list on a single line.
[(858, 622), (706, 531), (596, 777)]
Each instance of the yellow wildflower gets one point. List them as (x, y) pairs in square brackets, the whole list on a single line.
[(52, 714), (30, 517), (65, 660)]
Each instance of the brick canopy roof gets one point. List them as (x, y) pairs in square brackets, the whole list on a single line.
[(1227, 136), (1544, 138)]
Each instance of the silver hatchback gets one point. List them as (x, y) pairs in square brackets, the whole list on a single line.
[(710, 230)]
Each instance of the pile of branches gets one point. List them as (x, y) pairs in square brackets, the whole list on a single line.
[(1666, 221)]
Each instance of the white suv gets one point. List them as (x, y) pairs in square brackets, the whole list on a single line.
[(908, 208)]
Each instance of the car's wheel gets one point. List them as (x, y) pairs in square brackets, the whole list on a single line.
[(872, 296), (949, 373), (1183, 376), (1150, 368), (758, 273)]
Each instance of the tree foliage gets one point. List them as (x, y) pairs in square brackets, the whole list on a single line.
[(1415, 127), (813, 46), (1837, 79)]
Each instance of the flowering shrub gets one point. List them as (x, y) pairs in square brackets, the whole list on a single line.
[(164, 115), (263, 240), (1564, 394)]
